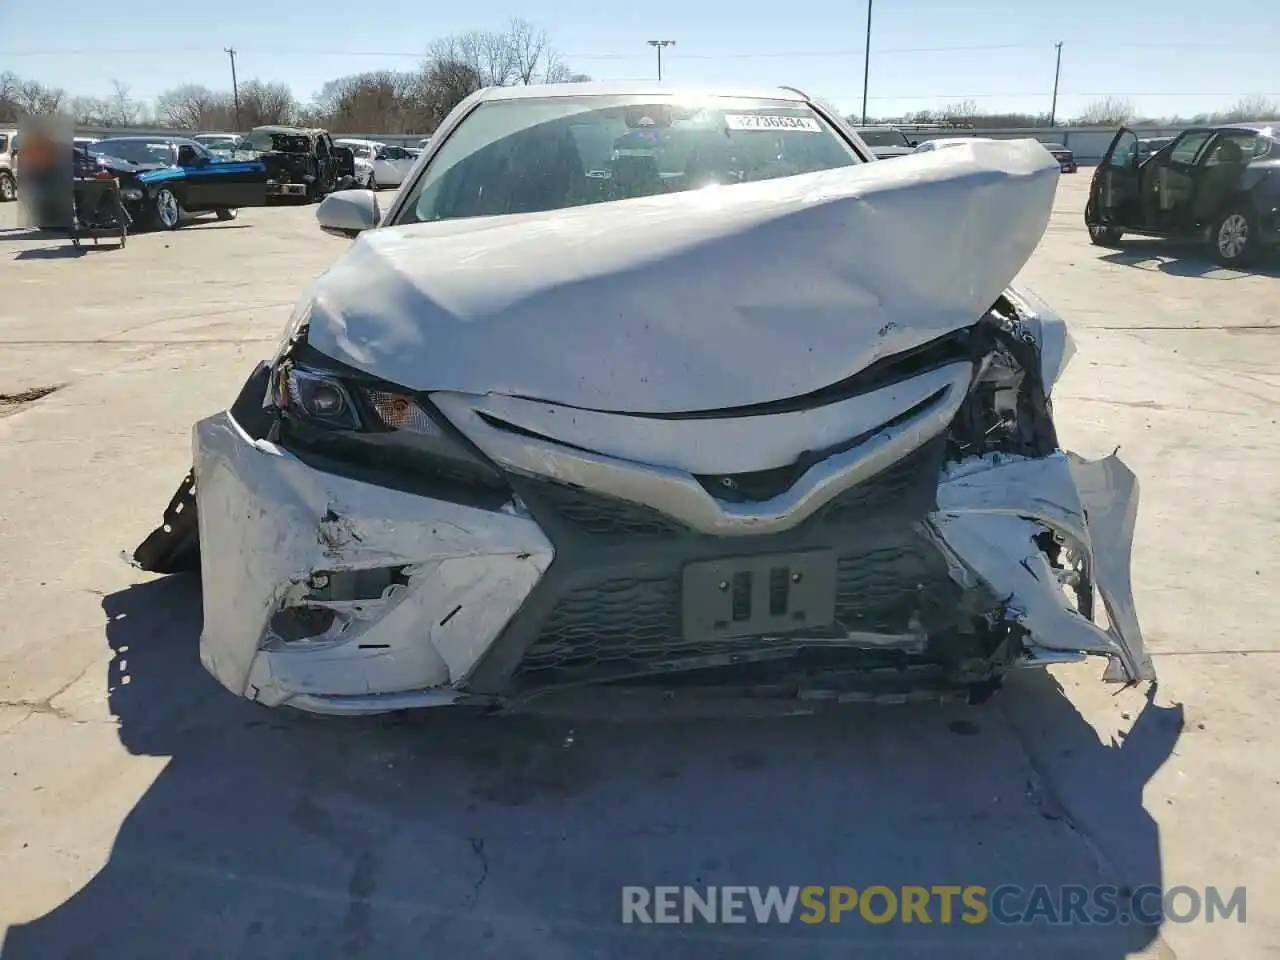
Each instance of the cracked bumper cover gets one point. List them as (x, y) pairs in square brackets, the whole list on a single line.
[(270, 525), (991, 509)]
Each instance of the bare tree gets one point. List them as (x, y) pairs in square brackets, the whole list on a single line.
[(195, 107), (87, 111), (262, 103), (446, 83), (9, 110), (1107, 112), (119, 109), (364, 102), (33, 97), (963, 111), (530, 51), (1256, 107)]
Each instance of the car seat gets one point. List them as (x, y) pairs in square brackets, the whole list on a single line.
[(1220, 180), (549, 170)]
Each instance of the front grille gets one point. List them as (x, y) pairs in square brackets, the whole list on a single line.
[(907, 486), (627, 626), (600, 516), (626, 620)]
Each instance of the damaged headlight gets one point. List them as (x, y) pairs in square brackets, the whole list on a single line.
[(345, 421), (324, 398), (312, 395)]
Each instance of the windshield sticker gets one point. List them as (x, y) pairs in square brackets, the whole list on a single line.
[(756, 121)]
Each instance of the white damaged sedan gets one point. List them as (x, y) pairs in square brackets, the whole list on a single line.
[(663, 388)]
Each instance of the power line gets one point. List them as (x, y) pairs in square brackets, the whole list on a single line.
[(1068, 93), (617, 55)]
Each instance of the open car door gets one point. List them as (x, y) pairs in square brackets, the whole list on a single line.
[(344, 160), (1115, 196)]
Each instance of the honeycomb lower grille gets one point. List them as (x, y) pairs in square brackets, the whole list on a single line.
[(632, 625), (601, 516)]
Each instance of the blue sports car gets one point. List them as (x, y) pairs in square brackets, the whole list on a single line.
[(172, 179)]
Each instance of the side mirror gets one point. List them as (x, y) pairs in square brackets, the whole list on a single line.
[(348, 213)]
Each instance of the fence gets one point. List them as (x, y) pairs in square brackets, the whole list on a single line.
[(1089, 143)]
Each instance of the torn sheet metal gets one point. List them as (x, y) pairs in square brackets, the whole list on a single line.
[(702, 300), (271, 527), (991, 509), (1053, 339)]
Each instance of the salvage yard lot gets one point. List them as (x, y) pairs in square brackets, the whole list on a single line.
[(146, 812)]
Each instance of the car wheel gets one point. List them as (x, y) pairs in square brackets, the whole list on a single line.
[(167, 209), (228, 214), (8, 189), (1233, 237), (1105, 236)]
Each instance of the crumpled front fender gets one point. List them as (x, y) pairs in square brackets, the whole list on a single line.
[(991, 509), (274, 531)]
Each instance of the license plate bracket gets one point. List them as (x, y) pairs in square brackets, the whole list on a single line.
[(765, 594)]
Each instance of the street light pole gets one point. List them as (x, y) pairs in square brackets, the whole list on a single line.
[(235, 87), (1057, 72), (658, 45), (866, 65)]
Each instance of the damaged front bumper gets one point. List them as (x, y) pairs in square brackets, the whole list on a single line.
[(335, 595), (993, 513)]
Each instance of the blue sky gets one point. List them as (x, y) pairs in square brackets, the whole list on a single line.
[(1171, 57)]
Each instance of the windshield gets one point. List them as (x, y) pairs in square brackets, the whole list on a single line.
[(135, 151), (522, 156), (884, 138), (361, 150), (265, 140)]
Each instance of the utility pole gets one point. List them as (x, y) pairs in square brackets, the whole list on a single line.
[(235, 87), (658, 45), (866, 65), (1057, 72)]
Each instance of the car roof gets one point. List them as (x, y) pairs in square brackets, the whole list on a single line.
[(273, 128), (358, 140), (639, 88), (1257, 126), (162, 138)]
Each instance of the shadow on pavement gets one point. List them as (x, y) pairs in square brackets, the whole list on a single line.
[(68, 252), (1186, 260), (273, 834)]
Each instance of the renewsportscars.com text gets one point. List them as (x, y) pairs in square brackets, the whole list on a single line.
[(942, 904)]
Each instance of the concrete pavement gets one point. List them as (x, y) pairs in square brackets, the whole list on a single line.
[(145, 812)]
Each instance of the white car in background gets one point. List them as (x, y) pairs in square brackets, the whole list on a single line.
[(222, 144), (942, 143), (886, 142), (379, 164)]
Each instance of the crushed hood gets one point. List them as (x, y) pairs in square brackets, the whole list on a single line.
[(701, 300)]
